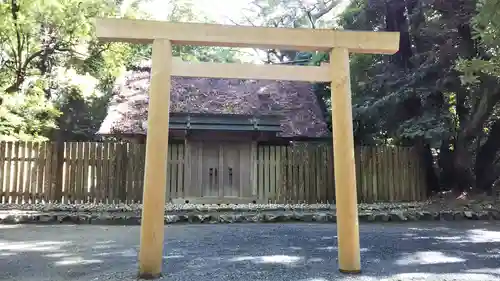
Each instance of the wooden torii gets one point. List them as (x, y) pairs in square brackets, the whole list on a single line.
[(163, 34)]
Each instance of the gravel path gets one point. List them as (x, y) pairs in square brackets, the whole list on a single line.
[(290, 252)]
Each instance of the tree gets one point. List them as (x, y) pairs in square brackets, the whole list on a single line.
[(56, 77), (431, 93)]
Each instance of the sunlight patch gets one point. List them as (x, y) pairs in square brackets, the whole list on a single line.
[(7, 226), (36, 246), (483, 236), (76, 261), (328, 248), (428, 258), (58, 255), (283, 259), (173, 257)]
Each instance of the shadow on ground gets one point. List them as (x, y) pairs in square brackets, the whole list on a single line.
[(301, 252)]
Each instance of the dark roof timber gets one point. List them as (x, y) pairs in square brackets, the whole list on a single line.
[(294, 103)]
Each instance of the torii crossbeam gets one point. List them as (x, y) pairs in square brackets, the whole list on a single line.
[(163, 34)]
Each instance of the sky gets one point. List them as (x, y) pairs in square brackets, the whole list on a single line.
[(220, 11), (217, 10)]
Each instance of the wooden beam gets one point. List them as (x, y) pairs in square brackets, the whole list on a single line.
[(345, 175), (155, 174), (251, 71), (300, 39)]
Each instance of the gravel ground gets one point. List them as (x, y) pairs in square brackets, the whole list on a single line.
[(468, 250)]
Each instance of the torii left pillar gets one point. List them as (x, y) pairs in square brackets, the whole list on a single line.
[(155, 176)]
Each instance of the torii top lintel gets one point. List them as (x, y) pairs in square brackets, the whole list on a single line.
[(201, 34)]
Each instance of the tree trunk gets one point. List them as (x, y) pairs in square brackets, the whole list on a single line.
[(462, 162), (431, 179), (485, 160)]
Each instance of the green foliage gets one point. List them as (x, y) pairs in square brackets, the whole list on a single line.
[(26, 116), (56, 77)]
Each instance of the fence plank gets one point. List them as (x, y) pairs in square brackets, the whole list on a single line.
[(23, 156), (3, 171), (8, 171), (98, 173), (15, 184)]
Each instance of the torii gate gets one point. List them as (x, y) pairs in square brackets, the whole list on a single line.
[(163, 34)]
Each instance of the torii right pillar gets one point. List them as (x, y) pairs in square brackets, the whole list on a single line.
[(344, 163)]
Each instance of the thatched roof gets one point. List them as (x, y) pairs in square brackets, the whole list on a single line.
[(295, 102)]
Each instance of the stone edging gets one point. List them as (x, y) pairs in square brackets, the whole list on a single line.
[(182, 208), (128, 218)]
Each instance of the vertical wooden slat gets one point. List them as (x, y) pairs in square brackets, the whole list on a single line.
[(278, 175), (73, 168), (290, 179), (310, 188), (99, 197), (23, 192), (373, 173), (395, 174), (113, 179), (422, 181), (118, 184), (299, 160), (181, 169), (272, 173), (15, 175), (92, 171), (173, 163), (414, 174), (35, 170), (3, 170), (383, 184), (330, 172), (266, 158), (29, 167), (411, 174), (389, 166), (85, 172), (282, 188), (295, 174), (124, 169), (357, 164), (362, 174), (317, 181), (138, 173), (41, 168), (129, 174), (403, 179), (188, 174), (260, 172), (65, 172), (57, 173), (315, 194), (47, 180), (105, 173), (132, 162), (79, 172), (399, 169), (365, 173), (324, 173), (8, 172)]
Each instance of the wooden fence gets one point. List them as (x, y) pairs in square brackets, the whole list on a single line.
[(304, 173), (113, 172)]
